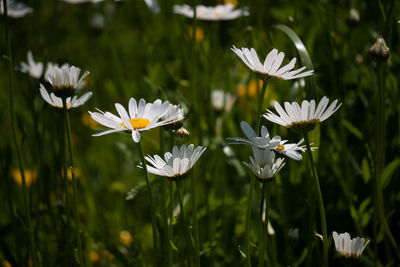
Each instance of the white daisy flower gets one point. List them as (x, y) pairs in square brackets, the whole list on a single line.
[(50, 68), (175, 165), (175, 116), (65, 80), (347, 247), (15, 9), (82, 1), (71, 102), (270, 70), (213, 13), (265, 142), (263, 165), (141, 117), (34, 69), (221, 100), (153, 5), (303, 118)]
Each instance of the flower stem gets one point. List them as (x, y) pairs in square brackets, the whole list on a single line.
[(195, 221), (74, 188), (260, 104), (171, 225), (184, 223), (152, 210), (66, 192), (248, 217), (32, 246), (261, 229), (380, 157), (320, 202)]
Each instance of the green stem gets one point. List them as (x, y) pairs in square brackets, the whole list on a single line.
[(15, 140), (152, 209), (380, 157), (261, 229), (195, 221), (184, 223), (66, 192), (74, 188), (248, 217), (167, 237), (195, 95), (171, 226), (260, 104), (320, 202)]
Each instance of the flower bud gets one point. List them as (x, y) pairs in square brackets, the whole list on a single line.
[(379, 52)]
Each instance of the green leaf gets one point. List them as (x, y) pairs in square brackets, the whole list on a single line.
[(365, 170), (388, 172), (352, 129), (173, 245), (311, 85)]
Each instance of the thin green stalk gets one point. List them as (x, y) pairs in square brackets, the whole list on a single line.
[(167, 237), (184, 223), (32, 246), (171, 221), (261, 229), (152, 209), (74, 188), (380, 157), (320, 202), (260, 104), (66, 193), (248, 217), (195, 221)]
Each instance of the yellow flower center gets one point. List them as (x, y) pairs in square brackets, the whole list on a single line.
[(137, 123), (281, 147), (216, 14)]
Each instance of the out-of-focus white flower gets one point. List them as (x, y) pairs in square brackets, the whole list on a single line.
[(97, 22), (34, 69), (15, 9), (153, 5), (64, 80), (56, 101), (347, 247), (222, 100), (265, 142), (303, 118), (141, 117), (263, 165), (175, 116), (175, 165), (270, 69), (214, 13)]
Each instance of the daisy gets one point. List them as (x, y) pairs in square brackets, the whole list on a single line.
[(15, 9), (56, 101), (304, 118), (270, 70), (175, 165), (176, 116), (214, 13), (65, 80), (34, 69), (82, 1), (263, 165), (265, 142), (221, 100), (347, 247), (153, 5), (141, 117)]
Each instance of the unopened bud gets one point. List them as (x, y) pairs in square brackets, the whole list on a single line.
[(354, 17), (182, 134), (379, 52)]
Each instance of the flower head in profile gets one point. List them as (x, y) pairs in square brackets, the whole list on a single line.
[(141, 117), (175, 165), (34, 69), (71, 102), (264, 141), (65, 80), (175, 115), (270, 69), (347, 247), (212, 13), (304, 118), (15, 9), (263, 165)]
